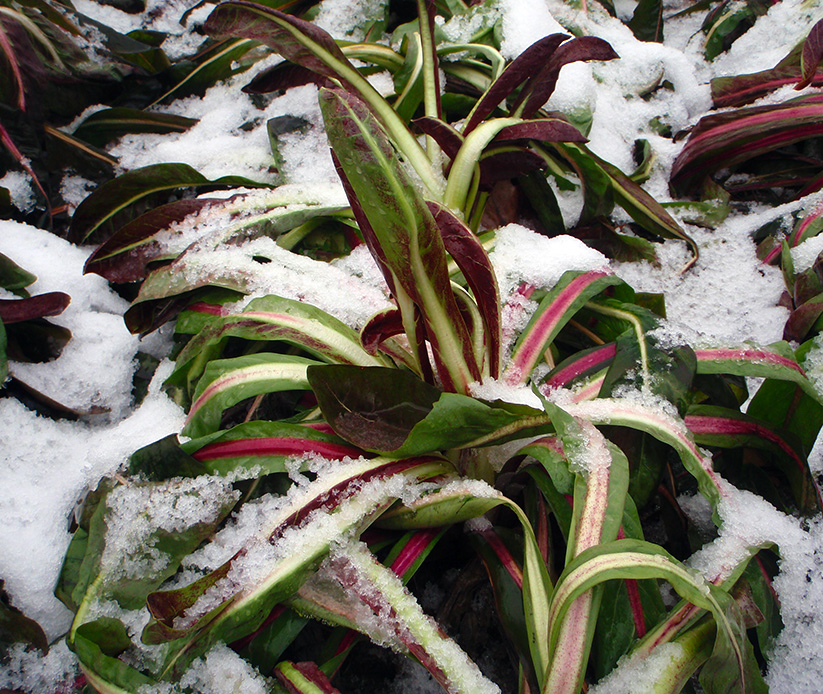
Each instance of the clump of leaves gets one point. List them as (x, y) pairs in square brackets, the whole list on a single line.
[(349, 457), (739, 148)]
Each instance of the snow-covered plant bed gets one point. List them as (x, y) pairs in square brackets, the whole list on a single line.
[(518, 390)]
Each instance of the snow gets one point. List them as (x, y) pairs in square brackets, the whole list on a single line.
[(728, 297)]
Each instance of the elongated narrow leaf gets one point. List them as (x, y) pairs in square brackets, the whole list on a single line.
[(464, 499), (226, 382), (300, 537), (108, 124), (39, 306), (516, 73), (728, 139), (638, 559), (307, 45), (125, 255), (776, 361), (473, 260), (579, 365), (641, 206), (540, 87), (303, 678), (13, 277), (263, 446), (812, 55), (719, 426), (403, 625), (410, 244), (116, 197), (273, 318), (558, 307), (600, 491), (738, 90), (660, 425)]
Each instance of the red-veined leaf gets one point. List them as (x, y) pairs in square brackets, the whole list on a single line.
[(566, 298)]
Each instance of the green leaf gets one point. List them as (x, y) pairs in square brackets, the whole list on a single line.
[(333, 502), (163, 460), (13, 277), (273, 318), (105, 674), (226, 382), (307, 45), (647, 21), (555, 310)]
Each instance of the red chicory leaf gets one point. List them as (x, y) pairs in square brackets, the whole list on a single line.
[(38, 306)]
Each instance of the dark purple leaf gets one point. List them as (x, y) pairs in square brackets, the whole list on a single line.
[(373, 408), (124, 257), (540, 87), (509, 163), (445, 135), (543, 129), (467, 251), (516, 73), (103, 126), (812, 54), (118, 199), (39, 306), (381, 326), (285, 76), (803, 318)]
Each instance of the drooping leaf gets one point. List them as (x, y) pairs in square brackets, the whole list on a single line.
[(226, 382), (724, 140), (39, 306), (555, 310), (94, 217), (777, 361), (105, 125), (263, 447), (124, 257), (719, 426), (342, 509), (305, 44), (273, 318)]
